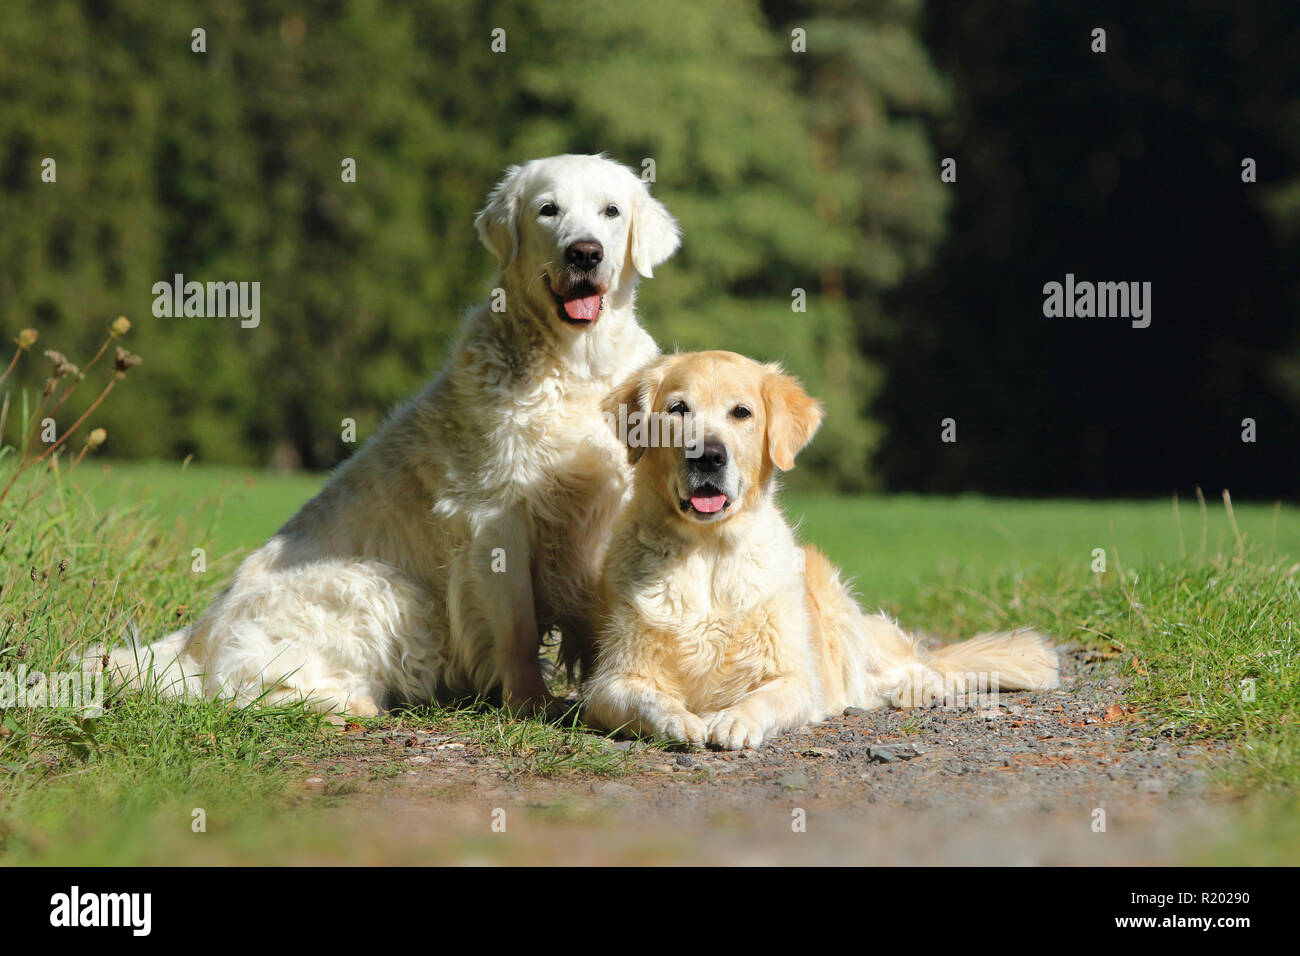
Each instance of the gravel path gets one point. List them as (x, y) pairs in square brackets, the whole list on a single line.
[(1022, 782)]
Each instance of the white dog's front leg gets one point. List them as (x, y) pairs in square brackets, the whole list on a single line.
[(508, 602)]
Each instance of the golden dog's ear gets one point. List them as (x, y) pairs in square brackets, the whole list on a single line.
[(625, 409), (793, 417), (498, 223), (655, 234)]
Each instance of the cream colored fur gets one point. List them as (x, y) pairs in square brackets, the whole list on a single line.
[(719, 628), (476, 518)]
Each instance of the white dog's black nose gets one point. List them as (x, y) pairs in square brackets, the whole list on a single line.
[(585, 255), (712, 456)]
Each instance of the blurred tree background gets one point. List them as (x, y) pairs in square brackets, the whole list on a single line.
[(815, 170)]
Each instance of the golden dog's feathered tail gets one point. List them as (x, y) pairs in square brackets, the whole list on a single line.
[(1019, 660), (867, 660)]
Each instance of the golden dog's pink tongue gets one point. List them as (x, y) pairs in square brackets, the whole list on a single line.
[(708, 504), (584, 309)]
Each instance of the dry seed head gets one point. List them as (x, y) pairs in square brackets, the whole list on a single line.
[(121, 325), (62, 367), (27, 338), (96, 438), (125, 360)]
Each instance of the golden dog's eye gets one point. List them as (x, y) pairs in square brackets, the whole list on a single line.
[(548, 209), (611, 211), (678, 408), (741, 412)]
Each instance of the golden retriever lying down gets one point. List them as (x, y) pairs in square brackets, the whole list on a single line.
[(719, 628)]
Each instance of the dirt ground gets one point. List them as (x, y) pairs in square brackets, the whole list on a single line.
[(1029, 780)]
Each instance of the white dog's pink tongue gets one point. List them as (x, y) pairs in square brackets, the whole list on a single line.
[(583, 309), (708, 504)]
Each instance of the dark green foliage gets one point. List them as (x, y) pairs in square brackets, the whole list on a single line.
[(226, 165)]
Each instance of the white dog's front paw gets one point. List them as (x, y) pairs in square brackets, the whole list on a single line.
[(683, 728), (733, 730), (362, 705)]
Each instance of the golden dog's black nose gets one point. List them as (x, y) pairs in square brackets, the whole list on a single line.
[(584, 255), (712, 456)]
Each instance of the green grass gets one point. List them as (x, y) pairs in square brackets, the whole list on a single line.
[(97, 789), (894, 545), (890, 545), (235, 508), (1195, 602)]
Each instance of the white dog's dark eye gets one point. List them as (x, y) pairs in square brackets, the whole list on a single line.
[(611, 211), (741, 412), (548, 209), (678, 408)]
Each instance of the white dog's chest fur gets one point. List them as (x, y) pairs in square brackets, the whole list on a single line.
[(569, 473), (498, 442), (546, 441)]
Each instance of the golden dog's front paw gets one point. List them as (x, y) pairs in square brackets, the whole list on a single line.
[(684, 728), (733, 730)]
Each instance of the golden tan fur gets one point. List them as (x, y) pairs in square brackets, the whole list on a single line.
[(718, 627)]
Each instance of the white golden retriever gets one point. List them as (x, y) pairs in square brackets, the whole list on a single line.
[(475, 519), (720, 629)]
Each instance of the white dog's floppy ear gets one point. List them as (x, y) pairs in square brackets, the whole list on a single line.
[(628, 404), (655, 234), (498, 223), (793, 417)]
